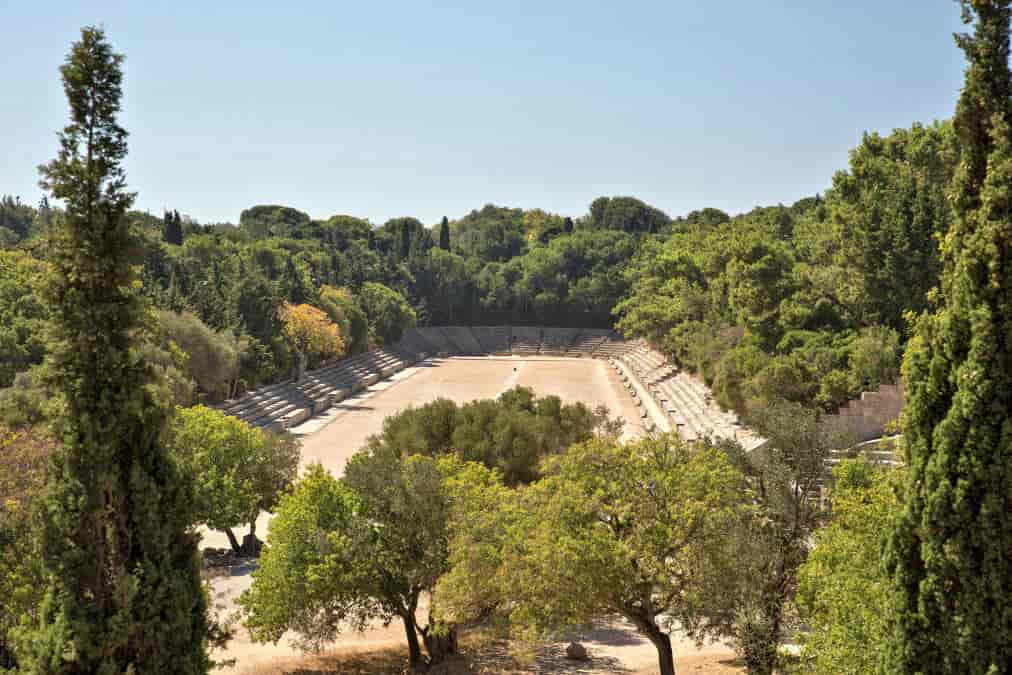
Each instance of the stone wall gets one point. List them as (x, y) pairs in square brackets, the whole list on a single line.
[(865, 418)]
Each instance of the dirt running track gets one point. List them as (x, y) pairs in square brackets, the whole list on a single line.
[(332, 438)]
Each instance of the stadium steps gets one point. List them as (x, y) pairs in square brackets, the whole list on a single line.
[(556, 341), (526, 340), (588, 340)]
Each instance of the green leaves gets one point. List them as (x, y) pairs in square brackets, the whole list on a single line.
[(948, 553), (123, 592), (237, 470), (388, 312), (844, 591), (611, 528)]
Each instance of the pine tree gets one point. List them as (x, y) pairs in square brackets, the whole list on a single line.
[(124, 590), (950, 553), (444, 234)]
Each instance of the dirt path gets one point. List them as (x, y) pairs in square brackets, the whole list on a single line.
[(334, 437)]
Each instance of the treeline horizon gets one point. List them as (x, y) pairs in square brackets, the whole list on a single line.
[(809, 301)]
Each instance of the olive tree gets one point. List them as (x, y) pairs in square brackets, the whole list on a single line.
[(629, 529)]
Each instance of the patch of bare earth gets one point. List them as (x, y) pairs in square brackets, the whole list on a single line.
[(612, 645)]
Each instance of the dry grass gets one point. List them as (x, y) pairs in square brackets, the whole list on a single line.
[(480, 655)]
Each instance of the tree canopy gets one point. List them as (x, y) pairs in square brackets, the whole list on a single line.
[(949, 551), (628, 529), (122, 585)]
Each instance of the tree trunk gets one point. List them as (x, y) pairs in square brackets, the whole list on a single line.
[(233, 541), (660, 640), (440, 641), (414, 650), (665, 657), (250, 544)]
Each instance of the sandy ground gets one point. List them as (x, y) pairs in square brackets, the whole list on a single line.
[(331, 439)]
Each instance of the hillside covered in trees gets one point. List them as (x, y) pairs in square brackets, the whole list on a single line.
[(807, 301)]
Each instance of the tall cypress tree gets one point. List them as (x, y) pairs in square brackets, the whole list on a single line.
[(172, 232), (444, 234), (950, 553), (124, 590), (405, 240)]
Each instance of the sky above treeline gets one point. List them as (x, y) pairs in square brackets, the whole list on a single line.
[(388, 109)]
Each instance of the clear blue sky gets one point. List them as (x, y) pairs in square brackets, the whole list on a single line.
[(383, 109)]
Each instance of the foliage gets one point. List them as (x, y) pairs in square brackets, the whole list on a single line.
[(312, 333), (122, 590), (629, 529), (271, 220), (343, 309), (844, 593), (769, 546), (172, 232), (444, 234), (238, 470), (511, 434), (792, 302), (24, 456), (16, 220), (22, 314), (627, 214), (351, 551), (210, 358), (949, 551), (388, 312)]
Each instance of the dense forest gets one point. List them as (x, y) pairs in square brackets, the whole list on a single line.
[(807, 301)]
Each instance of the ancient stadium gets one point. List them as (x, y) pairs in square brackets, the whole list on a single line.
[(336, 408)]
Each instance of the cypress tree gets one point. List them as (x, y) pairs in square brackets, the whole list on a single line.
[(950, 553), (173, 229), (405, 240), (444, 234), (124, 592)]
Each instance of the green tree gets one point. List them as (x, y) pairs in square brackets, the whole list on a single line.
[(268, 220), (15, 219), (388, 312), (511, 434), (238, 470), (784, 479), (123, 586), (296, 284), (626, 213), (344, 310), (444, 234), (24, 456), (844, 593), (351, 551), (172, 232), (949, 552), (628, 529), (22, 314), (211, 358)]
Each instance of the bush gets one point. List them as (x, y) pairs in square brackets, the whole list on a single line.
[(212, 357)]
